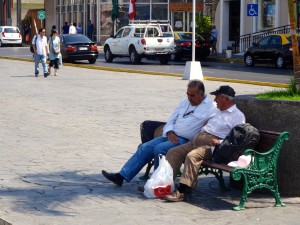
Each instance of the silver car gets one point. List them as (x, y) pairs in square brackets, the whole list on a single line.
[(10, 36)]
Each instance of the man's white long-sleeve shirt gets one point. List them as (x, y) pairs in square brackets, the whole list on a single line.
[(188, 126)]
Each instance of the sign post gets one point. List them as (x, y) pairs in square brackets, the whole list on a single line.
[(41, 15), (252, 10)]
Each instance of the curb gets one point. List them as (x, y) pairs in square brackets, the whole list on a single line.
[(259, 83), (225, 60)]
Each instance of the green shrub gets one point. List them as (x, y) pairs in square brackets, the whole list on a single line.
[(292, 92)]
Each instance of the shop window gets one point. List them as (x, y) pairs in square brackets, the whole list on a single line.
[(160, 11)]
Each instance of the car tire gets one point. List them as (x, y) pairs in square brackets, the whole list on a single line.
[(108, 55), (164, 59), (1, 45), (248, 60), (134, 56), (280, 62), (92, 61), (175, 57)]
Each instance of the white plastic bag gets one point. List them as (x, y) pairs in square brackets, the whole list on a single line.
[(161, 182), (60, 59)]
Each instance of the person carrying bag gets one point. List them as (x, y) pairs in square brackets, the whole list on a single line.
[(54, 56)]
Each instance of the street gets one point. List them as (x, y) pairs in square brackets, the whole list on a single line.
[(210, 69)]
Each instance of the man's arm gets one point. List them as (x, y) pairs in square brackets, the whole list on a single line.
[(47, 47)]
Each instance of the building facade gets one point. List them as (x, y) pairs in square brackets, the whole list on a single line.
[(230, 16)]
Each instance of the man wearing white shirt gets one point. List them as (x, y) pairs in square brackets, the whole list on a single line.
[(72, 29), (40, 48), (186, 121), (201, 147)]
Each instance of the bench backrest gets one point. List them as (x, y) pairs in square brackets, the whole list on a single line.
[(266, 141)]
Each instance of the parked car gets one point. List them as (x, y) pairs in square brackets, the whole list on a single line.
[(78, 47), (142, 39), (183, 47), (10, 36), (273, 49)]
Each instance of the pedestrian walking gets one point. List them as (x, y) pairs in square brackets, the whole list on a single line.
[(66, 28), (72, 29), (41, 50), (90, 30), (54, 52), (79, 29), (213, 40), (26, 33)]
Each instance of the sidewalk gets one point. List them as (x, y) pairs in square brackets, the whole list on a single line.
[(58, 133)]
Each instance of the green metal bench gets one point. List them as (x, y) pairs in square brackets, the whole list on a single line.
[(260, 173)]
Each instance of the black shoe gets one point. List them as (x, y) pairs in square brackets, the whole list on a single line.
[(113, 177), (141, 188), (46, 74), (36, 75)]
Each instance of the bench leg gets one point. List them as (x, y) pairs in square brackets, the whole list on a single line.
[(242, 203), (217, 173), (146, 175), (219, 176), (277, 196)]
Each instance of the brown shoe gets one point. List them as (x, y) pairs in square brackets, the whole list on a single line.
[(176, 196)]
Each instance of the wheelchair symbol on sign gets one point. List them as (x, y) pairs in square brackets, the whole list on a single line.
[(252, 11)]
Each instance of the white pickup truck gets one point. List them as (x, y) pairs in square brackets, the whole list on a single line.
[(141, 39)]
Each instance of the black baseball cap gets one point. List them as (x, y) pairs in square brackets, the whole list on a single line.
[(226, 90)]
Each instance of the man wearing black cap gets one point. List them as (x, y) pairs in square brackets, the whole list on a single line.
[(201, 147)]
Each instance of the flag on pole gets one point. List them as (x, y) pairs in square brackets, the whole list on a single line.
[(131, 9), (115, 10)]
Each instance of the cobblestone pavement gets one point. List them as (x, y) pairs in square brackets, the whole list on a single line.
[(58, 133)]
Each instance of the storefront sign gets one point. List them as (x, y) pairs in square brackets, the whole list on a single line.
[(185, 7)]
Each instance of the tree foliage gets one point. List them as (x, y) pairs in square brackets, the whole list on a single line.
[(203, 24)]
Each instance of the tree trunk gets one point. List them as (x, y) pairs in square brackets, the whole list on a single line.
[(296, 58)]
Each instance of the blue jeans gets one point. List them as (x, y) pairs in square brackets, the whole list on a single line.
[(37, 59), (145, 153)]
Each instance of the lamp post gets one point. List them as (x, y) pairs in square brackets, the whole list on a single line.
[(19, 15), (192, 68), (8, 8)]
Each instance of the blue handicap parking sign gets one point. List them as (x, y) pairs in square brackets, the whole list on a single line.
[(252, 9)]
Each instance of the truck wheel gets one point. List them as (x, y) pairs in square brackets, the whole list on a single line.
[(108, 55), (164, 59), (134, 56)]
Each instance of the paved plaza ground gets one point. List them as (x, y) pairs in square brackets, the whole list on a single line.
[(58, 133)]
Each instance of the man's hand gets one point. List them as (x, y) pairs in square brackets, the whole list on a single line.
[(214, 142), (172, 137)]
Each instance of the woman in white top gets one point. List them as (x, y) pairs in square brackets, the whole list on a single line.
[(54, 50)]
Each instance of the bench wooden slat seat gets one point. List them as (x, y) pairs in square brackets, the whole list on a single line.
[(260, 173)]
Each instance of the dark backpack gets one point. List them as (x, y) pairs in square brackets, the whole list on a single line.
[(240, 138), (31, 45), (148, 128)]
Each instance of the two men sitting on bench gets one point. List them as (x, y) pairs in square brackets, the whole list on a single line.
[(201, 147)]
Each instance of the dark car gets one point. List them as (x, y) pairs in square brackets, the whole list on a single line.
[(78, 47), (275, 49), (183, 47)]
